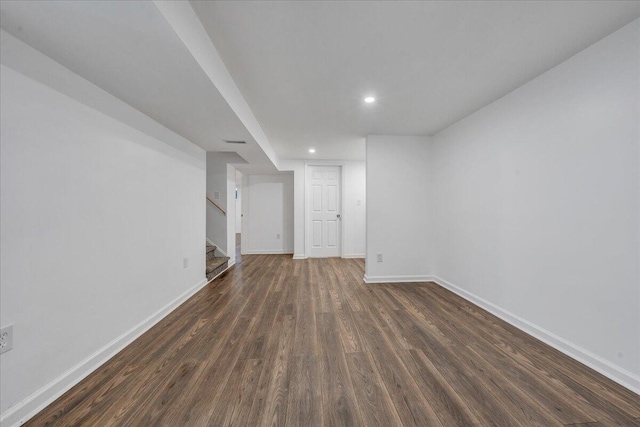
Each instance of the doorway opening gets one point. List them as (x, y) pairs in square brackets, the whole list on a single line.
[(239, 215)]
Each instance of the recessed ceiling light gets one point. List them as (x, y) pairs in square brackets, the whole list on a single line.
[(312, 150), (369, 99)]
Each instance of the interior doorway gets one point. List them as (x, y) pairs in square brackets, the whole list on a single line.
[(239, 214)]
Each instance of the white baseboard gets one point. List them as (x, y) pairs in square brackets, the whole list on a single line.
[(23, 411), (303, 256), (397, 279), (268, 252), (354, 256), (621, 376)]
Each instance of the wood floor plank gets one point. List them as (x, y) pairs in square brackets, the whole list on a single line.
[(158, 372), (167, 393), (277, 391), (125, 403), (238, 390), (516, 401), (416, 335), (475, 333), (373, 399), (411, 406), (83, 414), (254, 347), (422, 314), (349, 335), (277, 341), (448, 405), (306, 338), (200, 400), (304, 406), (319, 277), (384, 313), (349, 281), (593, 424), (270, 401), (339, 407), (446, 320), (485, 405), (549, 363), (556, 401)]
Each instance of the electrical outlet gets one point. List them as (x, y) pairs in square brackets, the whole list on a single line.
[(185, 262), (216, 195), (379, 257), (278, 236), (6, 338)]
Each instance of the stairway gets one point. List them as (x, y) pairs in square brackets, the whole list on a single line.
[(215, 265)]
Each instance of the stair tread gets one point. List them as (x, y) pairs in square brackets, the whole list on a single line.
[(216, 262), (211, 248)]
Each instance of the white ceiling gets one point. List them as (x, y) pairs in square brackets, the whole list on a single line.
[(304, 67), (128, 49)]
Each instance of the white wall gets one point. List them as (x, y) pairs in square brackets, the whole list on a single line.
[(398, 213), (268, 210), (353, 221), (96, 218), (354, 209), (297, 167), (537, 205)]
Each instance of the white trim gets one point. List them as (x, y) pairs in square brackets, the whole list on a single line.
[(621, 376), (23, 411), (244, 195), (354, 256), (246, 201), (268, 252), (299, 256), (306, 207), (397, 279)]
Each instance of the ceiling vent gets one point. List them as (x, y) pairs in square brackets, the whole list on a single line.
[(235, 142)]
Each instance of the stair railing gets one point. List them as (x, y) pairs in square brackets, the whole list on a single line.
[(210, 200)]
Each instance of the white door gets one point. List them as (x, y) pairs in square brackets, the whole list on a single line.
[(324, 223)]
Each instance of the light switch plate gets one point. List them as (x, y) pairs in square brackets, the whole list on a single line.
[(6, 338)]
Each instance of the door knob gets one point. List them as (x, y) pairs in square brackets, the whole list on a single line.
[(339, 216)]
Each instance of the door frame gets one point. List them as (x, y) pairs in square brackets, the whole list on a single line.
[(307, 194), (243, 213)]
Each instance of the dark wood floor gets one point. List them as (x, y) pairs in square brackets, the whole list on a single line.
[(277, 341)]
